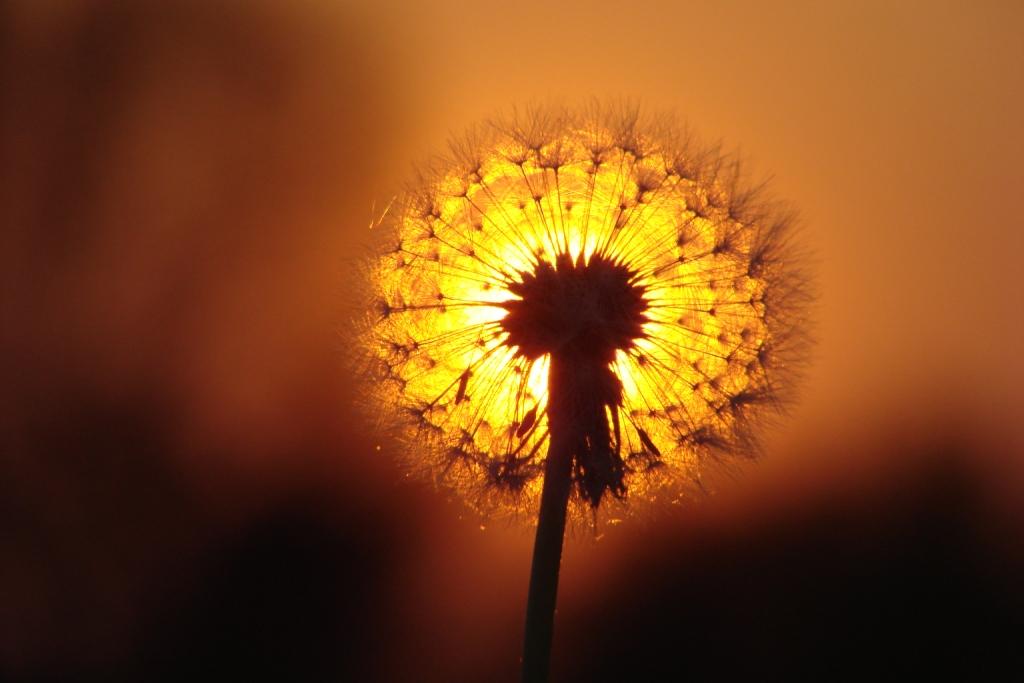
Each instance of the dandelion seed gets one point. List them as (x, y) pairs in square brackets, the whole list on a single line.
[(581, 307)]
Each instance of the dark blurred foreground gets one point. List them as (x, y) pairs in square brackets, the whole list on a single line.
[(114, 568), (917, 577), (186, 492)]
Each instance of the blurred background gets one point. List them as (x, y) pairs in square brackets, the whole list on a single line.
[(186, 489)]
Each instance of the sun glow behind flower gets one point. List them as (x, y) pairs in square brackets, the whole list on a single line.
[(701, 248)]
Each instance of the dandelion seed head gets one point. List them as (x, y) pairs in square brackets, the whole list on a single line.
[(603, 235)]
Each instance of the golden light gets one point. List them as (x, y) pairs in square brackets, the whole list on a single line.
[(721, 306)]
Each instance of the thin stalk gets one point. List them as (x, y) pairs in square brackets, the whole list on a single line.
[(554, 501), (547, 557)]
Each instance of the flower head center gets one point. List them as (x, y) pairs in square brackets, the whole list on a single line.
[(585, 308)]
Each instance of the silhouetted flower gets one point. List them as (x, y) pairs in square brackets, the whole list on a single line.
[(611, 241)]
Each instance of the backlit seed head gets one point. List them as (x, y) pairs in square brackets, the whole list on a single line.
[(605, 236)]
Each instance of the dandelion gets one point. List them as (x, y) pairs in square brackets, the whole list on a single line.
[(577, 307)]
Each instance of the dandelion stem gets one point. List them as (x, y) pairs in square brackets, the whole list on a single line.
[(569, 388), (547, 557)]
